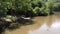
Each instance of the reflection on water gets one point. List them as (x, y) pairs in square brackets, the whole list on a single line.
[(43, 25), (44, 29)]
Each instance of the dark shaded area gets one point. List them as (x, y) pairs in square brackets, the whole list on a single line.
[(57, 9), (3, 26), (20, 13), (29, 14), (11, 12), (16, 23), (39, 4), (41, 14)]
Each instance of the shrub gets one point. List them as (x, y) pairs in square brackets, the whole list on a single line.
[(56, 6), (36, 10), (3, 7), (24, 7), (49, 5)]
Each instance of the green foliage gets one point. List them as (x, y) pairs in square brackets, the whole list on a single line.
[(25, 7), (56, 6), (3, 7), (49, 6), (47, 11)]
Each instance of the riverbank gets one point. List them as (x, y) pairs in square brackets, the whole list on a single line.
[(43, 25)]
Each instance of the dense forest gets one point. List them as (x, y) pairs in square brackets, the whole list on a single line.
[(17, 10), (25, 7)]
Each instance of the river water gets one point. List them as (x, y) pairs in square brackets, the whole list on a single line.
[(43, 25)]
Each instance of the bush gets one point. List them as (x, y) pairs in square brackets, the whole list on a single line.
[(3, 7), (56, 6), (24, 7), (49, 5)]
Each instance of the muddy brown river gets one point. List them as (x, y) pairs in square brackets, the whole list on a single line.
[(43, 25)]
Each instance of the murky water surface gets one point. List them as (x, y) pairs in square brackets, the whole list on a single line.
[(43, 25)]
